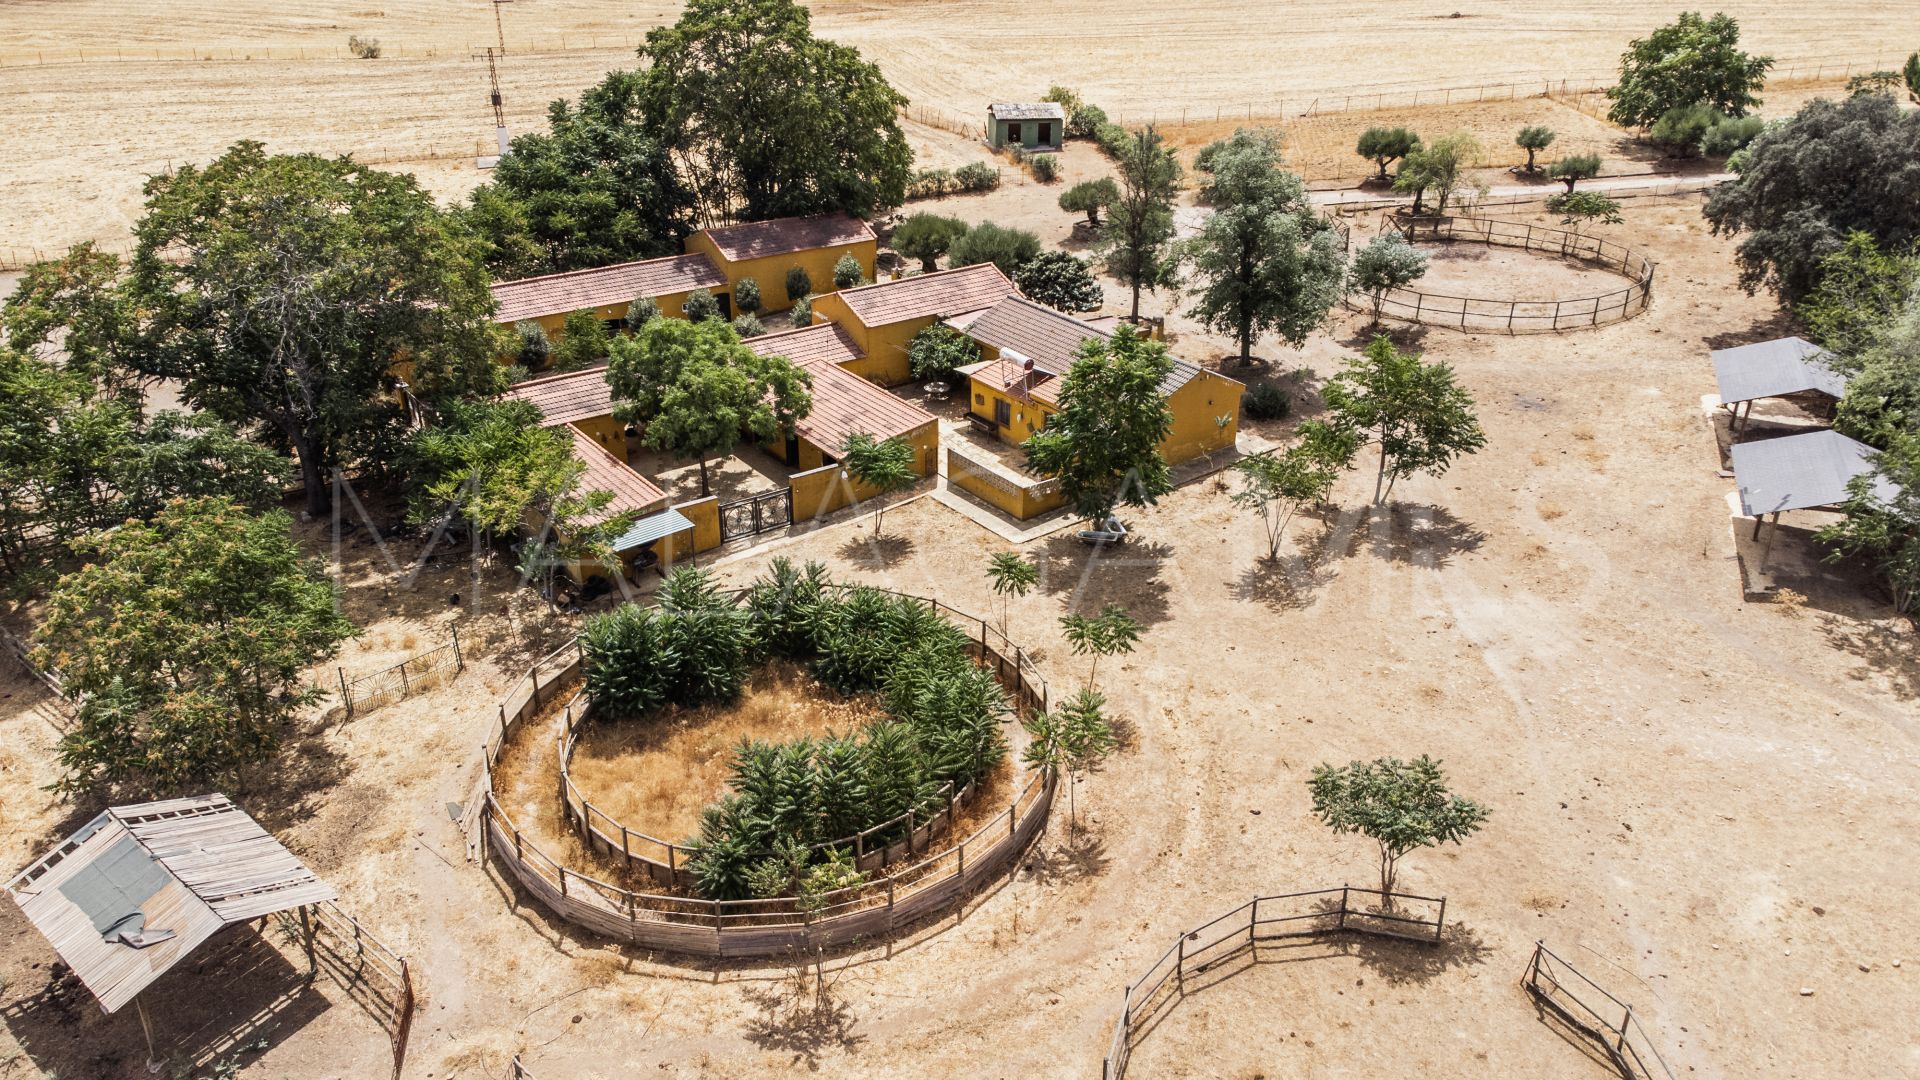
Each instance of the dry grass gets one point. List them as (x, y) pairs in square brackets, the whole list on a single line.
[(655, 775)]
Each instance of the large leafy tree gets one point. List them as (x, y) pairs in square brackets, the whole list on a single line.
[(1104, 443), (764, 119), (1690, 61), (280, 291), (594, 188), (489, 465), (697, 390), (1060, 280), (1138, 246), (1264, 261), (1399, 805), (1421, 417), (183, 645), (1833, 169), (73, 310)]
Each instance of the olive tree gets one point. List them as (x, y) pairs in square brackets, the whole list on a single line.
[(1399, 805), (1089, 197), (1574, 168), (1440, 168), (927, 237), (1387, 262), (1384, 146), (1533, 138)]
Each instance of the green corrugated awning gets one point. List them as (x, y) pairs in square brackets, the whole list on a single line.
[(652, 528)]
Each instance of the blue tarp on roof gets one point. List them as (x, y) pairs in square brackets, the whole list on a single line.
[(651, 528)]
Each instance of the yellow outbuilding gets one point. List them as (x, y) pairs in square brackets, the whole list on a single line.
[(882, 319), (766, 250), (607, 290)]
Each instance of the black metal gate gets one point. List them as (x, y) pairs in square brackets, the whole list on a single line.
[(756, 514)]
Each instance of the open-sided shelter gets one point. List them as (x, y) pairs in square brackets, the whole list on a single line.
[(1778, 368), (1799, 472), (140, 887)]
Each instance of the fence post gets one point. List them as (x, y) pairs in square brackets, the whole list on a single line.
[(503, 723), (404, 688), (1180, 964), (1253, 918), (458, 663), (344, 694), (889, 903), (1440, 923), (1019, 677), (1343, 907)]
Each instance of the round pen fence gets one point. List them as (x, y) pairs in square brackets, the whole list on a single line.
[(1206, 947), (1520, 316), (918, 878)]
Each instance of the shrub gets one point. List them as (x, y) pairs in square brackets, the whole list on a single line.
[(536, 349), (584, 342), (801, 313), (848, 273), (931, 184), (747, 324), (1266, 401), (1060, 281), (693, 648), (927, 237), (1089, 197), (936, 351), (975, 177), (1112, 139), (642, 311), (1085, 121), (1046, 167), (1679, 130), (1387, 262), (700, 306), (746, 296), (363, 48), (1729, 137), (798, 283), (1006, 248)]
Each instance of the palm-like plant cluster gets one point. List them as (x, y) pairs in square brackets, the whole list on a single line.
[(776, 831)]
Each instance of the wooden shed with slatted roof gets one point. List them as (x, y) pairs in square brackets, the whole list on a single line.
[(140, 887)]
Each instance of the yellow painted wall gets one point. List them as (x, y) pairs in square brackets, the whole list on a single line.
[(608, 432), (1020, 500), (924, 439), (770, 273), (1196, 408), (885, 347), (672, 305)]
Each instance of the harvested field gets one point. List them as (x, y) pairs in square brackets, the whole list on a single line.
[(655, 775)]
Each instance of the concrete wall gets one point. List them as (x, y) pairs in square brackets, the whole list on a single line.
[(770, 273)]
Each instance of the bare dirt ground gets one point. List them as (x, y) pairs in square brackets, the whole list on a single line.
[(1468, 269), (84, 132), (1703, 802)]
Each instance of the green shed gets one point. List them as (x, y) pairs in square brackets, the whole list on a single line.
[(1038, 125)]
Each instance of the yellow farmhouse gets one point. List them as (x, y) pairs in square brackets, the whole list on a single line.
[(882, 319), (1013, 399), (766, 250)]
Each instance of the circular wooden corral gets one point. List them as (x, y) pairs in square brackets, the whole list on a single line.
[(1519, 316), (919, 882)]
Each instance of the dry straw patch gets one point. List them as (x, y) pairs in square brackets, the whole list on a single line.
[(655, 775)]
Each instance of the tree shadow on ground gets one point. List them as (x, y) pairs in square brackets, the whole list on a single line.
[(1090, 578), (1403, 963), (1407, 337), (1779, 324), (1077, 857), (1420, 534), (1884, 650), (870, 552), (798, 1018), (1291, 582)]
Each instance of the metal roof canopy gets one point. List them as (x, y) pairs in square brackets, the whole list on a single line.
[(1776, 368), (1798, 472), (651, 528), (139, 887)]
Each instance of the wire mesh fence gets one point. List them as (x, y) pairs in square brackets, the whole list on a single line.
[(419, 672), (1521, 316)]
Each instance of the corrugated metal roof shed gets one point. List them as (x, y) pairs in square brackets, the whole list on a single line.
[(1027, 110), (651, 528), (141, 886), (1774, 369), (1798, 472)]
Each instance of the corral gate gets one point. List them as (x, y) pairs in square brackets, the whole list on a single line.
[(756, 514)]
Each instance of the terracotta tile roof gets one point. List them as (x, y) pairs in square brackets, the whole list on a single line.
[(576, 290), (844, 403), (827, 341), (564, 398), (631, 491), (1052, 340), (946, 292), (760, 239), (1027, 110), (1007, 374)]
